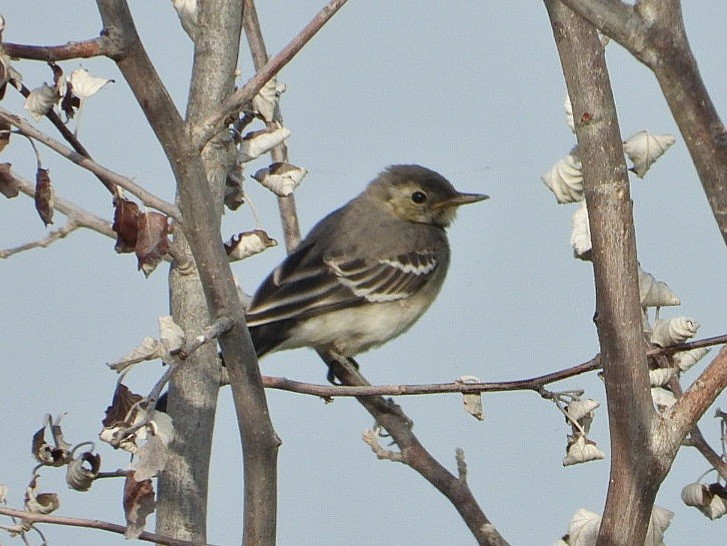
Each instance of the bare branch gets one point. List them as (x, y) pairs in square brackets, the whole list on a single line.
[(286, 204), (216, 122), (84, 49), (329, 391), (142, 194), (94, 524), (46, 241)]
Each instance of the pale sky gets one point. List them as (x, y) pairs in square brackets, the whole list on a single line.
[(471, 89)]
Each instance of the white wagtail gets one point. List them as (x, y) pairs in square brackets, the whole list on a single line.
[(366, 272)]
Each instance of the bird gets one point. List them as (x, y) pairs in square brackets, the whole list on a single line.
[(366, 272)]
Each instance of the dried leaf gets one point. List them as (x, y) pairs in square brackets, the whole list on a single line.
[(171, 334), (580, 238), (663, 399), (148, 349), (44, 196), (126, 214), (152, 242), (86, 85), (280, 178), (266, 101), (7, 73), (46, 454), (39, 503), (578, 409), (256, 143), (472, 401), (248, 243), (582, 450), (81, 472), (643, 149), (187, 12), (138, 504), (8, 183), (69, 102), (234, 193), (655, 293), (686, 359), (668, 332), (40, 101), (565, 179), (661, 376), (121, 404), (583, 528)]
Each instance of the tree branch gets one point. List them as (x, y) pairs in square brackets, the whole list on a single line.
[(230, 107), (329, 391), (94, 524), (635, 470), (143, 195), (84, 49), (654, 33), (391, 417), (279, 154)]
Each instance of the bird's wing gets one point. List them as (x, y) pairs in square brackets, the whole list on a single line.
[(300, 287)]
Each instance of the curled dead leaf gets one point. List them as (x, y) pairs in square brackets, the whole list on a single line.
[(152, 242), (8, 183), (44, 196), (138, 503), (125, 224)]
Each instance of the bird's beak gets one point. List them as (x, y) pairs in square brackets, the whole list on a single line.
[(460, 199)]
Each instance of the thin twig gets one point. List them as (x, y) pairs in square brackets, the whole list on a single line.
[(46, 241), (229, 109), (213, 331), (94, 524), (143, 195)]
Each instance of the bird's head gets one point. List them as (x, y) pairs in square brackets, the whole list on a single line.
[(417, 194)]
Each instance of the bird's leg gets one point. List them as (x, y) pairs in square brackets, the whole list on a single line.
[(334, 359)]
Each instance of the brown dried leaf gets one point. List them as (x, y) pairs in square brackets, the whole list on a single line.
[(44, 198), (70, 102), (40, 503), (152, 242), (125, 224), (138, 504), (8, 183), (57, 73), (121, 403)]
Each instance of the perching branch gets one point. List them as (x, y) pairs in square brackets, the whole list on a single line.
[(93, 524), (230, 107), (142, 194), (330, 391), (84, 49), (391, 417), (46, 241)]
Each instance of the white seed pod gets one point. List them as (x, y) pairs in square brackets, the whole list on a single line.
[(655, 293), (578, 409), (580, 238), (643, 149), (658, 523), (280, 178), (583, 528), (568, 109), (668, 332), (582, 451), (256, 143), (661, 376), (84, 84), (248, 243), (266, 101), (565, 179), (662, 398), (187, 12), (686, 359), (40, 101)]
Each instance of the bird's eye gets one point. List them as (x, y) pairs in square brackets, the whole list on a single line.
[(418, 197)]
